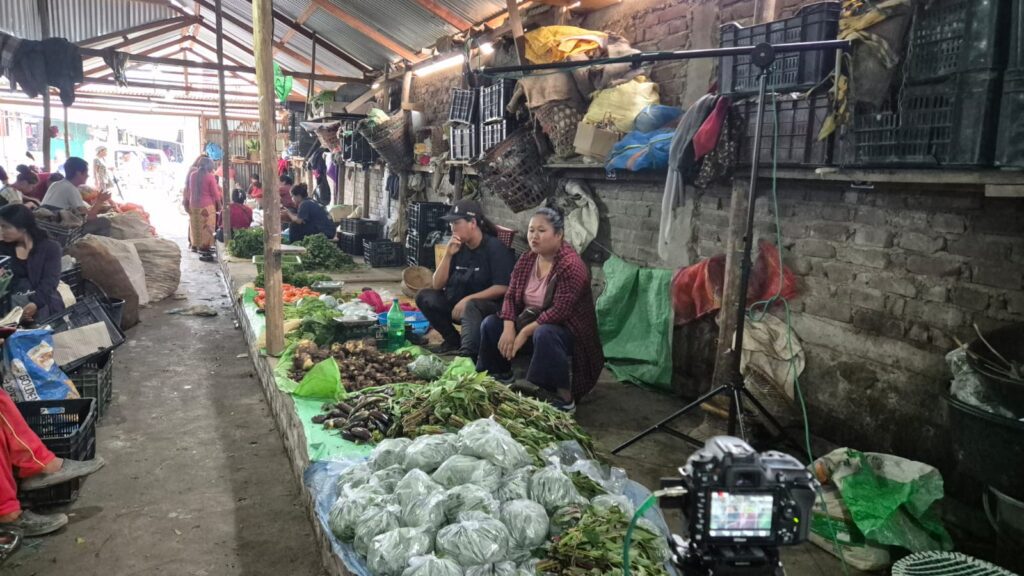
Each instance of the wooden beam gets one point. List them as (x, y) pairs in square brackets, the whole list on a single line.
[(227, 68), (113, 107), (225, 213), (146, 52), (306, 14), (43, 7), (177, 22), (300, 29), (517, 30), (366, 30), (263, 39), (442, 12), (165, 86)]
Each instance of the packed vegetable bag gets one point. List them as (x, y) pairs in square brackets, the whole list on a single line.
[(891, 499), (30, 372)]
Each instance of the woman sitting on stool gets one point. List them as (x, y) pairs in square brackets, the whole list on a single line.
[(34, 263), (548, 308)]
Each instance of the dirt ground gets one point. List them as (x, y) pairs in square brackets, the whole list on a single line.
[(197, 481)]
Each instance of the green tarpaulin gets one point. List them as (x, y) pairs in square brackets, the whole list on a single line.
[(634, 318), (324, 444)]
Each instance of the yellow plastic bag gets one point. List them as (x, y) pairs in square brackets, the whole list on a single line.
[(556, 43), (620, 105)]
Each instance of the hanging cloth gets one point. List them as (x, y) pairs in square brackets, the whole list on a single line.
[(117, 62)]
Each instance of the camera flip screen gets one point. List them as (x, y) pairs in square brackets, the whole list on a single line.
[(740, 515)]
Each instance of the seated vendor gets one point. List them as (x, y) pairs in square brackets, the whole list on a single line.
[(25, 183), (65, 195), (255, 187), (285, 191), (34, 263), (548, 312), (309, 218), (469, 281)]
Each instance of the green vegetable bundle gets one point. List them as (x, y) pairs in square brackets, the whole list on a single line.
[(593, 547), (246, 243), (323, 254), (289, 275)]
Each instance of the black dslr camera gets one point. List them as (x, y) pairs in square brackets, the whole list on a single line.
[(740, 506)]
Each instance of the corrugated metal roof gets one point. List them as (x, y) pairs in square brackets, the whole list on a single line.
[(474, 10), (20, 18), (402, 20), (79, 20), (349, 40), (324, 58)]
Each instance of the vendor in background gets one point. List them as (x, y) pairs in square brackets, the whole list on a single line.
[(309, 218), (65, 195), (8, 194), (22, 453), (469, 282), (25, 182), (202, 200), (34, 263), (101, 176), (255, 187), (549, 312), (285, 190)]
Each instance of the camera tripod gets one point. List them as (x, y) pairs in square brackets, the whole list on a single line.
[(725, 560)]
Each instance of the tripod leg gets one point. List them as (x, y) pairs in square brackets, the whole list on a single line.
[(661, 425), (736, 414)]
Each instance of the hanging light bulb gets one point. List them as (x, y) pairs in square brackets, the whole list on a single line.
[(441, 65)]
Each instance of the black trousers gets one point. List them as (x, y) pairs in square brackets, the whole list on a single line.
[(550, 350), (438, 310)]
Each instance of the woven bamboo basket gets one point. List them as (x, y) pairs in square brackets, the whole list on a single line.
[(559, 121), (515, 172), (391, 140), (328, 136)]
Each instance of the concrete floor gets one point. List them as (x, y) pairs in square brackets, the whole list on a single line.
[(197, 480)]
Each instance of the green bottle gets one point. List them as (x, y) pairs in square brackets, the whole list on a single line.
[(396, 326)]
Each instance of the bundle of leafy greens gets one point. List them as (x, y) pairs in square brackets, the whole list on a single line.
[(246, 243), (323, 254)]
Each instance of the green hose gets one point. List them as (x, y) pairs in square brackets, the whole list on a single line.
[(651, 501)]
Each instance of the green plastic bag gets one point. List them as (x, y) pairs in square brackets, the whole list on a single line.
[(282, 84), (634, 319), (323, 381), (460, 366), (891, 499)]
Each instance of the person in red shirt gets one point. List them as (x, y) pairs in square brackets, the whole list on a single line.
[(241, 215), (285, 190), (255, 188), (202, 202)]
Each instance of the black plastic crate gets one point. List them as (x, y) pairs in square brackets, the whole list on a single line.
[(951, 123), (68, 429), (465, 144), (352, 244), (95, 379), (356, 148), (799, 121), (88, 311), (417, 253), (493, 134), (73, 278), (64, 235), (792, 70), (425, 217), (956, 36), (366, 226), (1010, 140), (495, 98), (463, 105), (383, 254)]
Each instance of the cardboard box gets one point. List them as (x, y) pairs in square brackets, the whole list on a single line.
[(594, 142)]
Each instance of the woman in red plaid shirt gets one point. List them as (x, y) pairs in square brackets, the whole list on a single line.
[(549, 312)]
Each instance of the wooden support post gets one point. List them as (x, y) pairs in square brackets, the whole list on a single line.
[(460, 180), (339, 189), (43, 7), (366, 191), (263, 39), (724, 359), (516, 22), (226, 183), (67, 138)]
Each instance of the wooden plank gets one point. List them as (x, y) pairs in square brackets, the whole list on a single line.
[(263, 39), (305, 15), (180, 21), (979, 177), (225, 177), (1004, 190), (371, 33), (516, 22), (442, 12)]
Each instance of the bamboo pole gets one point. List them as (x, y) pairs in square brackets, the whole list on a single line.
[(43, 6), (67, 137), (225, 178), (263, 39)]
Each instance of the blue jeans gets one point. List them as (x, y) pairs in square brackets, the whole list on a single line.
[(551, 347)]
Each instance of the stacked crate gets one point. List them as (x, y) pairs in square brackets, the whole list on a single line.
[(463, 134), (424, 218), (495, 121)]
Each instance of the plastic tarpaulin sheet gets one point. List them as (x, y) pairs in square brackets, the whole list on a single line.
[(634, 319)]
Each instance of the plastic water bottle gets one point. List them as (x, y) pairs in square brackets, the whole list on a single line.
[(396, 326)]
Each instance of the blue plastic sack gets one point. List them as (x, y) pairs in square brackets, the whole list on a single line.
[(30, 371), (655, 116), (641, 151), (214, 151)]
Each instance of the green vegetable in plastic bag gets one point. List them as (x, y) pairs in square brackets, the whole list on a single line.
[(459, 470), (354, 477), (390, 452), (432, 566), (486, 439), (388, 478), (427, 367), (564, 519), (528, 568), (606, 501), (527, 524), (374, 522), (469, 498), (414, 486), (428, 452), (498, 569), (516, 484), (476, 539), (350, 506), (427, 512), (552, 489), (390, 552)]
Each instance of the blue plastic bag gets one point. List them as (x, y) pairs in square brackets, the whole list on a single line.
[(655, 116), (30, 371), (641, 151), (214, 151)]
